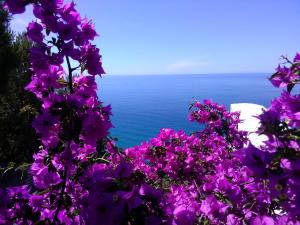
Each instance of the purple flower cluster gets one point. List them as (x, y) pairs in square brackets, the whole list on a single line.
[(209, 177), (73, 181), (288, 74), (79, 175), (277, 163), (203, 181)]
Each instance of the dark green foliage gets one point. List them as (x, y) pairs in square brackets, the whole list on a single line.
[(18, 107), (8, 58)]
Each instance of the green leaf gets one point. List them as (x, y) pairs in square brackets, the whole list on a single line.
[(23, 166), (62, 81)]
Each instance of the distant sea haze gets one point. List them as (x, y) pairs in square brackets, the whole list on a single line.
[(142, 105)]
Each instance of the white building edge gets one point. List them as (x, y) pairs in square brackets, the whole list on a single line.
[(249, 122)]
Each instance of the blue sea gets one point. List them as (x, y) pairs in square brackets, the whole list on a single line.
[(142, 105)]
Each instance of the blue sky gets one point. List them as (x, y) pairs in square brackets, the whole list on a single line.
[(190, 36)]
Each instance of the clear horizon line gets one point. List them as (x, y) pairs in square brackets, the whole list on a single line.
[(183, 74)]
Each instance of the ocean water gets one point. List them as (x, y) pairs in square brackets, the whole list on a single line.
[(142, 105)]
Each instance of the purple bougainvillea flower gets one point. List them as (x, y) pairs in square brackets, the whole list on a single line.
[(34, 32), (52, 99), (88, 29), (68, 49), (211, 205), (52, 6), (92, 60), (36, 201), (183, 216), (269, 117), (104, 209), (46, 14), (153, 220), (232, 220), (42, 177), (65, 31), (297, 58), (38, 59), (283, 77), (36, 87), (95, 127), (132, 199), (18, 192), (56, 59), (257, 160), (70, 14), (15, 6), (123, 170), (43, 123), (149, 191), (263, 220)]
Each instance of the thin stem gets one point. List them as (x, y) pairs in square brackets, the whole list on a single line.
[(70, 69), (104, 160), (198, 189), (61, 195), (62, 191), (286, 59), (70, 75), (75, 68)]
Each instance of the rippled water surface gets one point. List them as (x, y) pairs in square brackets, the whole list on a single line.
[(141, 105)]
